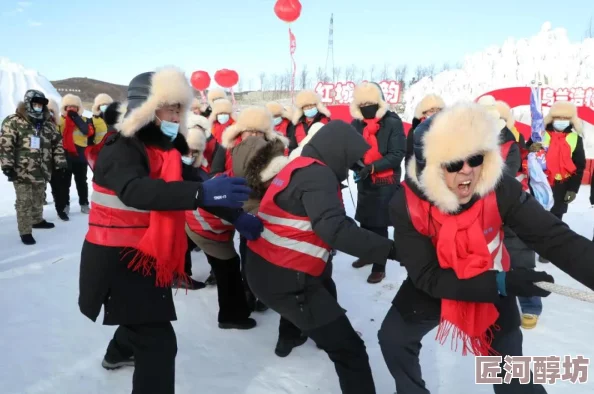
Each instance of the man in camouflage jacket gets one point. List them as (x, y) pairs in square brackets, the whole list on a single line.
[(30, 149)]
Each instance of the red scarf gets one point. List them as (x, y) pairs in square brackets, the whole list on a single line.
[(462, 247), (92, 152), (68, 136), (282, 127), (217, 129), (385, 177), (163, 246), (559, 161)]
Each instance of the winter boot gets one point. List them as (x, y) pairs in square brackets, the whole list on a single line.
[(251, 300), (260, 306), (28, 239), (542, 260), (67, 209), (376, 277), (63, 216), (44, 225), (529, 321), (211, 280), (244, 324), (284, 347), (110, 362), (85, 209), (360, 263)]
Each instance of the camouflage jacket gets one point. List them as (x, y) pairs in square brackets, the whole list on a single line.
[(31, 165)]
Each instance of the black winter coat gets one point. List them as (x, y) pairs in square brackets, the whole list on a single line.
[(573, 183), (219, 158), (410, 141), (130, 297), (513, 161), (313, 192), (373, 200), (420, 294)]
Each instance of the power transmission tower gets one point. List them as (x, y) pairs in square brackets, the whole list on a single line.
[(330, 53)]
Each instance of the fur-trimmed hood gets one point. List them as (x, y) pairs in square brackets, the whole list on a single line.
[(368, 92), (251, 118), (457, 133), (506, 114), (167, 86), (564, 109), (276, 109), (215, 94), (428, 102), (221, 106), (490, 105), (113, 113), (308, 97), (310, 134), (101, 99), (21, 112), (71, 100)]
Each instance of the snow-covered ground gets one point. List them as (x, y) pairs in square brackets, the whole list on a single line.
[(48, 347)]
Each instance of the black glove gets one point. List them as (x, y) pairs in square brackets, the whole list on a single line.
[(365, 172), (10, 174), (72, 114), (520, 282)]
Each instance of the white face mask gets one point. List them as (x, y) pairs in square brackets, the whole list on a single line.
[(561, 125), (188, 160), (223, 118)]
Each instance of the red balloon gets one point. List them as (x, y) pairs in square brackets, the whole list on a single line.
[(226, 78), (200, 80), (287, 10)]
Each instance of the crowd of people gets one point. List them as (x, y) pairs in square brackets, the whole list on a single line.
[(173, 175)]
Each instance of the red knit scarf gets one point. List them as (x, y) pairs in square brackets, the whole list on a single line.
[(163, 246), (68, 136), (559, 161), (372, 155), (217, 129), (461, 246)]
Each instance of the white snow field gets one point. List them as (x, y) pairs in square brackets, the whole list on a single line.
[(48, 347)]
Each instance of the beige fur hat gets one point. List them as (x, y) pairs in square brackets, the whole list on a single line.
[(277, 110), (428, 102), (564, 109), (215, 94), (252, 118), (368, 92), (221, 106), (308, 97), (71, 100), (506, 114), (478, 129), (101, 99)]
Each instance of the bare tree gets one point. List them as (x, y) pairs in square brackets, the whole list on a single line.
[(275, 83), (336, 73), (362, 75), (287, 79), (251, 85), (430, 70), (445, 67), (304, 77), (459, 66), (240, 85), (371, 72), (349, 73), (589, 33), (385, 72), (321, 74), (419, 73), (400, 73), (262, 77)]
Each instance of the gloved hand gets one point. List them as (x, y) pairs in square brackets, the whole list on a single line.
[(223, 191), (72, 114), (10, 174), (249, 226), (364, 173), (520, 282), (570, 197), (535, 147)]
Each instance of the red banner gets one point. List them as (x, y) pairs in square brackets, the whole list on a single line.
[(342, 92)]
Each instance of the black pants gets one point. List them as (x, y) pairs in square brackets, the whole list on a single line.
[(289, 331), (188, 263), (78, 169), (233, 305), (60, 190), (242, 254), (348, 353), (154, 347), (383, 231), (400, 342)]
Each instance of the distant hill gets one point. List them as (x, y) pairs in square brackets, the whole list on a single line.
[(87, 89)]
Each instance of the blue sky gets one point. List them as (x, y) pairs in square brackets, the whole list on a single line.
[(115, 40)]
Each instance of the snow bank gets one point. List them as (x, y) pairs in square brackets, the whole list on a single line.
[(15, 80)]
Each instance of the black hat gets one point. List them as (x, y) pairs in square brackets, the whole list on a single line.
[(139, 90)]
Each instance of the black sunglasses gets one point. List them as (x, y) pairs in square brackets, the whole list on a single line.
[(473, 161)]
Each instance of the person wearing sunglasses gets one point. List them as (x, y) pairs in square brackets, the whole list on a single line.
[(448, 221)]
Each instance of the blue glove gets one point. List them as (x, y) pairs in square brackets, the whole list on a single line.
[(249, 226), (223, 191)]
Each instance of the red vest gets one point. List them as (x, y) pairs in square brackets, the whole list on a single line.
[(490, 222), (217, 129), (288, 240), (209, 151), (282, 127), (209, 226), (522, 174), (300, 132)]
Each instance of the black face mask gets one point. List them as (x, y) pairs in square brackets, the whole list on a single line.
[(369, 111)]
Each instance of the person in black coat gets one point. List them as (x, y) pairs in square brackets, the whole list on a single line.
[(428, 106), (134, 247), (296, 282), (379, 173), (455, 189), (309, 110)]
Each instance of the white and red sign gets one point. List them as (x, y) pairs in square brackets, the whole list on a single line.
[(581, 97), (342, 92)]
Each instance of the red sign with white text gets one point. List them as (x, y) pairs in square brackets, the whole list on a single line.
[(581, 97), (342, 92)]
